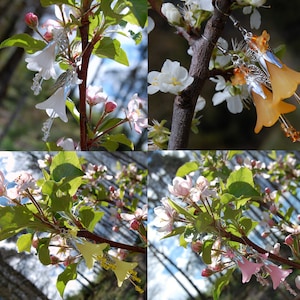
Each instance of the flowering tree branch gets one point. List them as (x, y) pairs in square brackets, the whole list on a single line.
[(184, 104), (99, 239)]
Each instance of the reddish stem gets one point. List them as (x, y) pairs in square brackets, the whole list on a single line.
[(89, 235)]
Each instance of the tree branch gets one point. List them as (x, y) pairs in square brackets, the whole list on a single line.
[(98, 239), (184, 104)]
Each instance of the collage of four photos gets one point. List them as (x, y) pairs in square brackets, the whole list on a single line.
[(149, 149)]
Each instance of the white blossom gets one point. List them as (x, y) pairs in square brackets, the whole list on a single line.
[(173, 78), (171, 12)]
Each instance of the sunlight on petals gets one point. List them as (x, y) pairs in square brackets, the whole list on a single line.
[(268, 111)]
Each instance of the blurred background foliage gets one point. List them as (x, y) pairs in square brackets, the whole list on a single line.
[(218, 128), (20, 121)]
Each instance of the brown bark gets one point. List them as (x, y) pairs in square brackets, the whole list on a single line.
[(184, 104)]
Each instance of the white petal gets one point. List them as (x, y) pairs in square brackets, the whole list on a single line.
[(220, 97), (234, 104), (255, 19)]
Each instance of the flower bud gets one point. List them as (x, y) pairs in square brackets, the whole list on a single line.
[(54, 259), (289, 240), (31, 20), (134, 224), (110, 106), (207, 272), (265, 234), (172, 14), (197, 246)]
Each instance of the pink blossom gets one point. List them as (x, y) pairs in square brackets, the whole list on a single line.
[(23, 181), (248, 269), (135, 219), (201, 190), (277, 274), (136, 115), (165, 216), (181, 187), (95, 95)]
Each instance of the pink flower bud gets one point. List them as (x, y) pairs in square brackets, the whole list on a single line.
[(267, 190), (134, 224), (207, 272), (265, 234), (31, 20), (289, 240), (110, 106), (197, 246), (54, 260)]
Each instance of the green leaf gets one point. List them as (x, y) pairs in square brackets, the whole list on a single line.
[(121, 139), (73, 109), (89, 218), (25, 41), (187, 168), (111, 48), (63, 203), (240, 183), (139, 8), (181, 210), (43, 251), (66, 166), (221, 282), (24, 242), (203, 221), (175, 231), (247, 225), (13, 219), (206, 251), (51, 2), (109, 123), (70, 273), (182, 242)]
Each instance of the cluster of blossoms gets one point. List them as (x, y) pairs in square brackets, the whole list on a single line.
[(209, 217)]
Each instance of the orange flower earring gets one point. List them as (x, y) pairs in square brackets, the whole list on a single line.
[(284, 80)]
